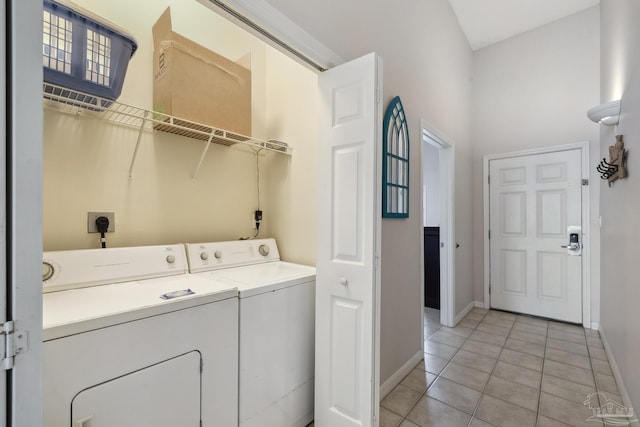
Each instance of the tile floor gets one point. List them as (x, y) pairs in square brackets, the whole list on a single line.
[(502, 369)]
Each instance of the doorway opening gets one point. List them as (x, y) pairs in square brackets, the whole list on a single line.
[(436, 199)]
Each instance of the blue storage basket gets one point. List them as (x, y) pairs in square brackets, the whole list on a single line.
[(83, 54)]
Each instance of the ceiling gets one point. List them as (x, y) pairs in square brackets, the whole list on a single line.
[(485, 22)]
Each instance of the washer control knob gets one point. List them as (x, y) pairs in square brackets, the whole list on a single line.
[(217, 254), (204, 256), (171, 259), (47, 271), (264, 250)]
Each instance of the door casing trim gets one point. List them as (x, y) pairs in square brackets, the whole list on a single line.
[(446, 152), (586, 220)]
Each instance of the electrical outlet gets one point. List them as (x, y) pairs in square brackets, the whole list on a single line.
[(91, 221), (256, 217)]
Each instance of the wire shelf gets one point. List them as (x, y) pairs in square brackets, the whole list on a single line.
[(79, 103)]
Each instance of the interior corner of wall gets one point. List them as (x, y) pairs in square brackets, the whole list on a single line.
[(245, 60)]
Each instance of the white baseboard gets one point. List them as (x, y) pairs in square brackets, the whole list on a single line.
[(626, 401), (595, 326), (399, 375), (464, 312), (478, 304)]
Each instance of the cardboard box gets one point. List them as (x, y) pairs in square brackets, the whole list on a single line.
[(193, 83)]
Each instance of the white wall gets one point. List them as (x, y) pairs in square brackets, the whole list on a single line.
[(531, 91), (431, 185), (427, 62), (86, 160), (620, 204)]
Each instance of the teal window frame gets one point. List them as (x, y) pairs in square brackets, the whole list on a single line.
[(395, 162)]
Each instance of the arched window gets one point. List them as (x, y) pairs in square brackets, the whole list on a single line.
[(395, 166)]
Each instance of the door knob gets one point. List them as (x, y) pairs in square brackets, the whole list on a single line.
[(572, 246), (343, 281)]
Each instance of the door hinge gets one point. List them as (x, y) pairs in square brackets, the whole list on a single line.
[(489, 234), (12, 343), (489, 288), (585, 182), (488, 179)]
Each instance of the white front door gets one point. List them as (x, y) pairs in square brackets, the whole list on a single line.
[(533, 202), (349, 215)]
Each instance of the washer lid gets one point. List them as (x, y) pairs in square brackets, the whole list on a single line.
[(260, 278), (80, 310)]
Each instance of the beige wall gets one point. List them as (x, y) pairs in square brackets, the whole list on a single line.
[(532, 91), (86, 161), (427, 62), (291, 187), (620, 204)]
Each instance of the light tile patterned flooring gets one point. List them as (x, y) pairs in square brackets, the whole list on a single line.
[(502, 369), (505, 370)]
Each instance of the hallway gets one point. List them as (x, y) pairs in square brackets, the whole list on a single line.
[(501, 369)]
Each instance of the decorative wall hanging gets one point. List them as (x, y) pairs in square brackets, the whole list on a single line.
[(395, 162), (615, 168)]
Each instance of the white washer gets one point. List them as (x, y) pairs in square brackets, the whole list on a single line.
[(117, 354), (277, 328)]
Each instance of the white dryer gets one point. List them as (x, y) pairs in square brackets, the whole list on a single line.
[(277, 328), (131, 339)]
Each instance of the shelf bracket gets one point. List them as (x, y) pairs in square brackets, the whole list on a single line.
[(135, 151), (204, 153)]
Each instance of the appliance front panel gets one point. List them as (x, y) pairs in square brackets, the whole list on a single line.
[(218, 255), (75, 363), (277, 357), (165, 394), (90, 267)]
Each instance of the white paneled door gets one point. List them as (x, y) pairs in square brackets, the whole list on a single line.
[(535, 204), (4, 399), (21, 210), (349, 214)]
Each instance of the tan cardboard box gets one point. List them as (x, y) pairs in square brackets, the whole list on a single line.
[(193, 83)]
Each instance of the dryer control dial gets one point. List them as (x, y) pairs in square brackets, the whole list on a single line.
[(171, 259), (204, 256), (218, 254), (47, 271), (264, 250)]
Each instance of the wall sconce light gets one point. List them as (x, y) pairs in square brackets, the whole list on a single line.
[(607, 114)]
